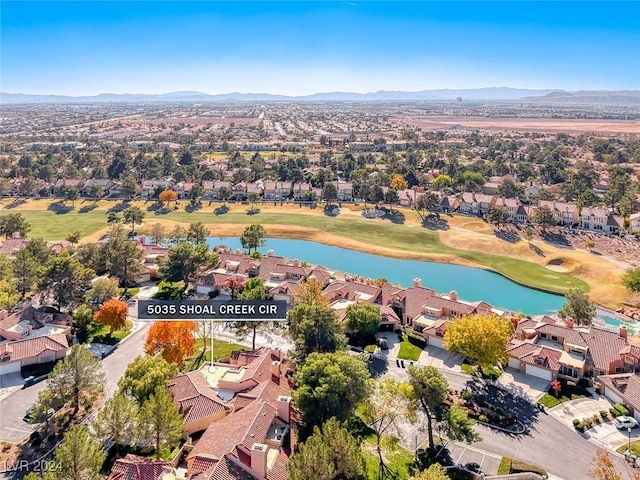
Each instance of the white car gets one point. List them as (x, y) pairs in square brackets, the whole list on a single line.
[(625, 422)]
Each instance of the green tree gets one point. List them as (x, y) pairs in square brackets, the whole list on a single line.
[(103, 289), (253, 237), (96, 191), (434, 472), (224, 193), (183, 261), (441, 182), (117, 420), (458, 426), (74, 237), (315, 329), (129, 186), (253, 197), (75, 378), (330, 193), (631, 279), (9, 294), (385, 410), (509, 189), (197, 233), (112, 217), (66, 280), (429, 392), (80, 456), (426, 203), (157, 233), (159, 421), (14, 223), (331, 453), (330, 385), (6, 267), (26, 270), (543, 216), (69, 193), (144, 376), (254, 289), (480, 338), (577, 307), (498, 216), (363, 318), (133, 215), (528, 234), (39, 249)]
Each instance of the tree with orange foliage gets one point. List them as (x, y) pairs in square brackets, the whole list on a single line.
[(113, 313), (173, 341), (168, 196)]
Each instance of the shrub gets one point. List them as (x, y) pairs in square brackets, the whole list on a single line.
[(614, 412), (505, 466), (604, 413), (468, 369), (580, 427), (483, 418), (621, 409), (467, 395), (576, 422)]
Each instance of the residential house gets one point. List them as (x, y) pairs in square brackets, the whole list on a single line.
[(11, 246), (252, 440), (301, 191), (149, 187), (197, 402), (134, 467), (408, 197), (109, 188), (345, 191), (32, 351), (621, 388), (601, 220), (67, 182), (183, 189), (545, 349), (518, 213), (567, 214), (277, 190)]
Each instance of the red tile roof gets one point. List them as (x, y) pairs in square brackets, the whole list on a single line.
[(195, 398), (133, 467)]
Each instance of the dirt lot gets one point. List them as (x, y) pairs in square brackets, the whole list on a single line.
[(540, 125)]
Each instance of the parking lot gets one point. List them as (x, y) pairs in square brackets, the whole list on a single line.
[(464, 454)]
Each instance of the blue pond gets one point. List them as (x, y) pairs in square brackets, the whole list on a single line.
[(472, 284)]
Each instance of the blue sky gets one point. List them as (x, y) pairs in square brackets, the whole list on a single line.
[(296, 48)]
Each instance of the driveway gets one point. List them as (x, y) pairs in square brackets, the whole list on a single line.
[(580, 408), (525, 386)]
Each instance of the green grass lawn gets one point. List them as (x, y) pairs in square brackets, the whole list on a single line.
[(567, 392), (409, 351), (635, 447), (370, 348), (221, 348), (399, 460), (403, 238), (99, 333)]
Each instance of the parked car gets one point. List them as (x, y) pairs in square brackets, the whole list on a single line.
[(625, 422), (473, 467), (27, 413)]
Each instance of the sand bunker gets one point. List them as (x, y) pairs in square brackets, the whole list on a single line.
[(561, 265)]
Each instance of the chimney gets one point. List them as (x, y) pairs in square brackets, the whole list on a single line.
[(269, 253), (295, 262), (453, 295), (259, 459), (623, 331), (417, 282), (275, 368), (568, 323), (283, 404)]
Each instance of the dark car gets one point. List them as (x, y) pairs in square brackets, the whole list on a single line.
[(473, 467)]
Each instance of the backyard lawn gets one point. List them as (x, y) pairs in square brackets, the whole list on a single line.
[(567, 392)]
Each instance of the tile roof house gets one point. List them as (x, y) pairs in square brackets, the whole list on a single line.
[(564, 213), (133, 467), (31, 351), (11, 246), (549, 350), (621, 388), (600, 220)]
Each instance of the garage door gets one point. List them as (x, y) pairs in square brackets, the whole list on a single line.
[(538, 372), (9, 367), (514, 363), (435, 342)]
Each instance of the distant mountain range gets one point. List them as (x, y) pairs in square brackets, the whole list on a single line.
[(603, 97)]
